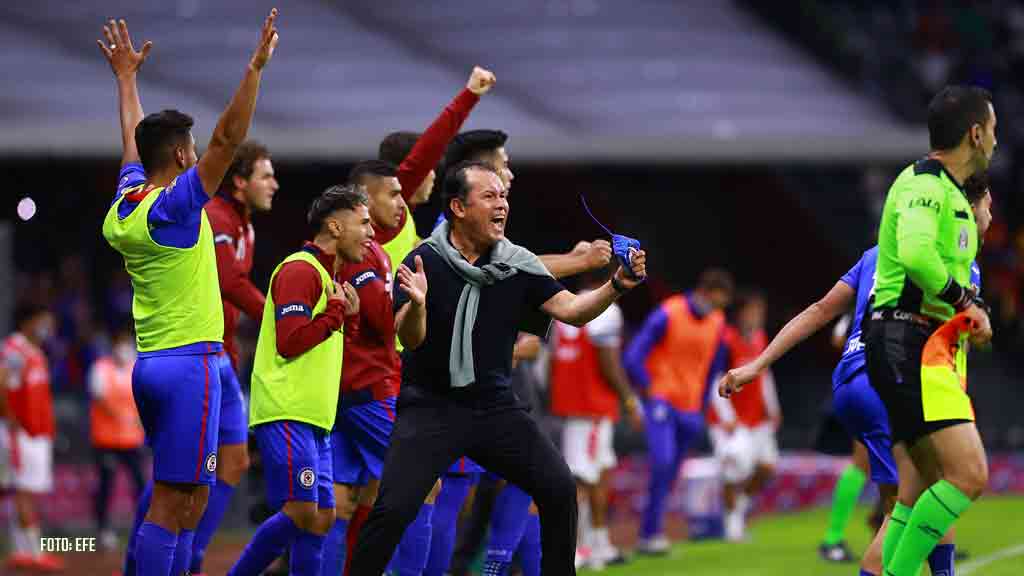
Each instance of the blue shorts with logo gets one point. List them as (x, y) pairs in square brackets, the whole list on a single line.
[(360, 439), (864, 416), (178, 398), (296, 463), (234, 422)]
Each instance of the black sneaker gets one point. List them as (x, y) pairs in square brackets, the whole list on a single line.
[(836, 553)]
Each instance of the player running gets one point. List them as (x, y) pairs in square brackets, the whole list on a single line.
[(856, 402), (295, 383), (157, 223)]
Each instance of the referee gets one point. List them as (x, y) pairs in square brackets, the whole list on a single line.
[(459, 336), (928, 239)]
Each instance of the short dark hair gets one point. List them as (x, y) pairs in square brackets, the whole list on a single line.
[(456, 184), (246, 157), (337, 197), (472, 144), (976, 187), (157, 133), (953, 111), (396, 146), (366, 168), (716, 279), (25, 312)]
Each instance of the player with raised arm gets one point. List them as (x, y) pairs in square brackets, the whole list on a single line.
[(856, 402), (158, 224)]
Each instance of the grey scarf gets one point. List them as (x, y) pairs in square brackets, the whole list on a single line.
[(507, 260)]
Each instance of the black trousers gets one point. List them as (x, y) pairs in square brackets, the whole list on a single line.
[(428, 436), (107, 461)]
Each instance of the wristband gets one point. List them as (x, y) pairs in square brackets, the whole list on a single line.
[(618, 286), (955, 295)]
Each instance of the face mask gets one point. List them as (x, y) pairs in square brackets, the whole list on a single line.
[(124, 353)]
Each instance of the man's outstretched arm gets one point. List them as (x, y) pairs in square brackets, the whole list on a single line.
[(234, 123), (125, 61)]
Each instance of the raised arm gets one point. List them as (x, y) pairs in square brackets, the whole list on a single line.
[(585, 256), (578, 309), (838, 300), (125, 61), (234, 123)]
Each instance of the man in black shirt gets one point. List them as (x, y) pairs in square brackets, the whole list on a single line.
[(459, 336)]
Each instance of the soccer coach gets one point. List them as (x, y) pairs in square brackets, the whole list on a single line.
[(455, 398)]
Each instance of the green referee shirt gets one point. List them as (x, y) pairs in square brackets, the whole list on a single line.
[(926, 242)]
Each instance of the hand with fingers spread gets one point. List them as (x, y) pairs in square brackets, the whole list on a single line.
[(119, 51), (481, 81), (414, 284), (351, 299), (268, 42)]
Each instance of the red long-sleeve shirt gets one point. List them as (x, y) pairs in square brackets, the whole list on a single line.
[(234, 240), (296, 289), (427, 152), (370, 359)]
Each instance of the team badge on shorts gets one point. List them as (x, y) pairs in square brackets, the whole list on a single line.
[(307, 478), (211, 463), (963, 238)]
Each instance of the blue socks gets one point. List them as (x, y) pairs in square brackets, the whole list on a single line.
[(864, 572), (307, 554), (267, 543), (182, 552), (449, 502), (141, 508), (414, 548), (220, 498), (663, 474), (529, 547), (154, 550), (334, 549), (941, 560), (508, 521)]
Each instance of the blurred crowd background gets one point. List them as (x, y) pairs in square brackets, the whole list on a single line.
[(753, 136)]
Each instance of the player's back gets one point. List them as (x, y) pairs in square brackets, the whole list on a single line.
[(176, 300), (578, 388), (861, 278)]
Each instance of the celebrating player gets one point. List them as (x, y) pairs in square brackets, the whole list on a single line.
[(673, 360), (295, 383), (158, 225), (459, 339)]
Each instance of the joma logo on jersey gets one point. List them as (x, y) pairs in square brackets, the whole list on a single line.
[(925, 203), (854, 345), (364, 278), (292, 309)]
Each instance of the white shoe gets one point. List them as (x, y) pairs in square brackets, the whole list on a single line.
[(656, 546), (583, 556), (605, 556)]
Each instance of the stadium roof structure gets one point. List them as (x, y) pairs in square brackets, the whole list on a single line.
[(578, 80)]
